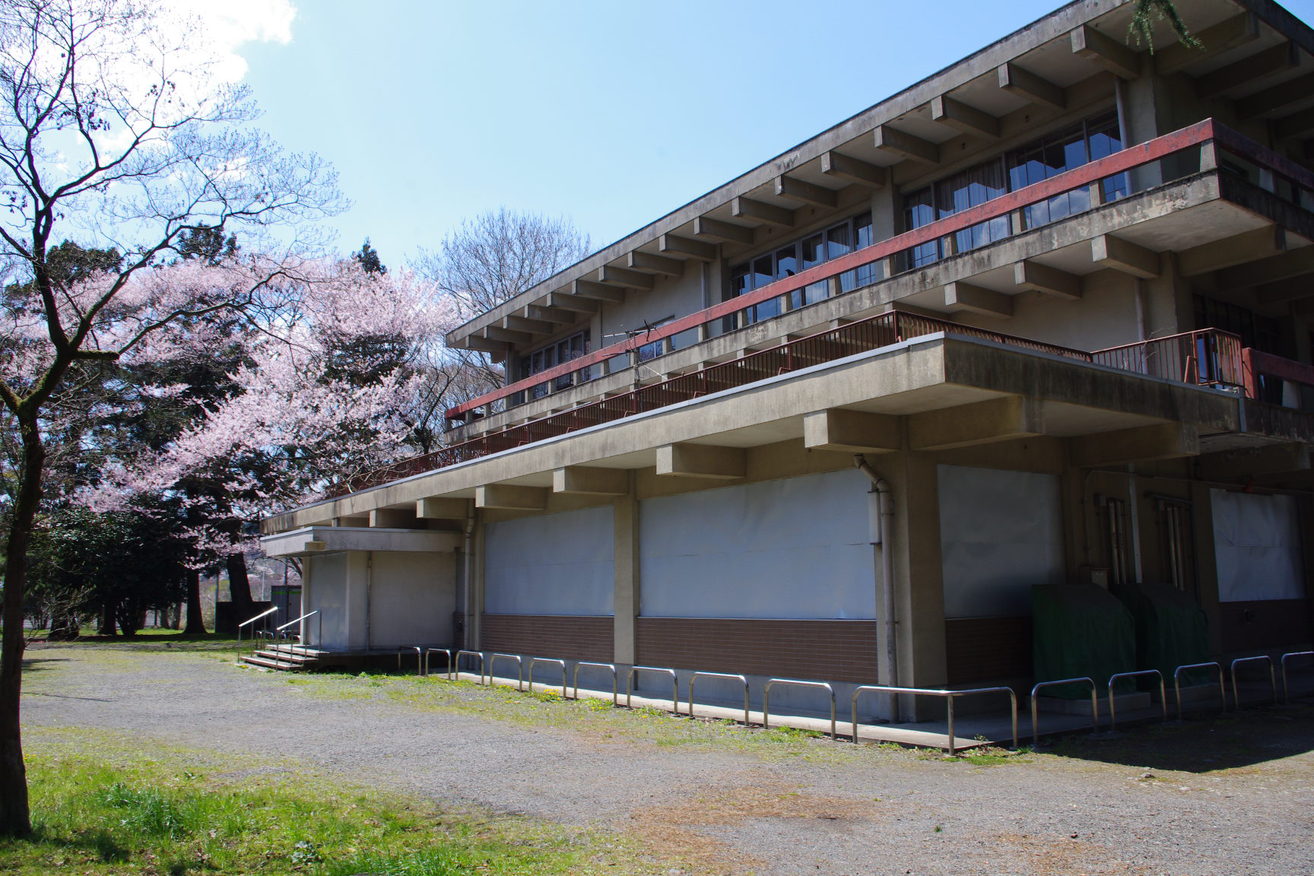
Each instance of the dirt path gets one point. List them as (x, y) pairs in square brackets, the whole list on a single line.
[(1229, 797)]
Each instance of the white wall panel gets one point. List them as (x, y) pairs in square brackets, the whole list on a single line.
[(1256, 546), (792, 548), (1000, 535), (328, 595), (412, 598), (551, 564)]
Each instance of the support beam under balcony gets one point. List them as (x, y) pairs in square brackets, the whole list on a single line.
[(392, 518), (509, 497), (725, 232), (1022, 83), (904, 145), (1235, 250), (1227, 34), (484, 345), (852, 431), (854, 170), (1283, 291), (796, 189), (548, 313), (352, 522), (597, 291), (526, 324), (587, 481), (702, 461), (1000, 419), (1035, 277), (961, 117), (762, 212), (1294, 263), (1111, 54), (1122, 255), (1275, 98), (440, 508), (1141, 444), (574, 303), (987, 302), (1268, 62), (1255, 462), (497, 333), (624, 278), (655, 264), (686, 248)]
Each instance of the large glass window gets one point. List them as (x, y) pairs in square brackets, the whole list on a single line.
[(552, 355)]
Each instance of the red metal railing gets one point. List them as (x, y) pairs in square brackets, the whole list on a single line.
[(1207, 357)]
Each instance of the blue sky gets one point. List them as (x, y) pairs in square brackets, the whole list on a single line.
[(607, 113)]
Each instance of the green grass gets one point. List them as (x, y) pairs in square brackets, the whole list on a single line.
[(103, 805)]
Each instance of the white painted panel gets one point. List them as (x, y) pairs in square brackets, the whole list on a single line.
[(1256, 546), (1000, 535), (551, 564), (327, 593), (412, 598), (793, 548)]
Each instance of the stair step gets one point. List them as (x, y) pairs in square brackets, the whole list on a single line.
[(274, 663)]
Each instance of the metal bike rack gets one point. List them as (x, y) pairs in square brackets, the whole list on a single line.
[(251, 620), (455, 669), (741, 679), (1262, 658), (1140, 673), (561, 663), (615, 697), (1286, 691), (419, 658), (948, 695), (1177, 683), (766, 698), (447, 651), (675, 684), (1035, 706), (520, 668)]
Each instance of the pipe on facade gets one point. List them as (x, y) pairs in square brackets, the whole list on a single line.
[(882, 517), (466, 568)]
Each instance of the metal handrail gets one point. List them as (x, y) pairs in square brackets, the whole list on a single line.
[(520, 668), (1236, 691), (948, 695), (252, 620), (1035, 706), (447, 651), (766, 698), (675, 684), (1177, 682), (693, 678), (455, 669), (319, 622), (561, 663), (1286, 691), (419, 657), (615, 695), (1140, 673)]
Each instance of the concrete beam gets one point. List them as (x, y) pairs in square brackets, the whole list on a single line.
[(809, 193), (624, 278), (1275, 59), (1042, 278), (702, 461), (1275, 98), (965, 296), (1293, 289), (353, 522), (1144, 443), (1113, 55), (654, 264), (852, 431), (1000, 419), (574, 303), (508, 497), (597, 291), (525, 324), (1294, 263), (1254, 462), (1227, 34), (1238, 249), (685, 248), (961, 117), (771, 214), (587, 481), (1030, 87), (439, 508), (727, 232), (1108, 251), (1298, 124), (392, 518), (840, 166), (484, 345), (548, 313), (497, 333), (905, 146)]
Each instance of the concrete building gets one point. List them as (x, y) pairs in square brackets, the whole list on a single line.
[(1041, 319)]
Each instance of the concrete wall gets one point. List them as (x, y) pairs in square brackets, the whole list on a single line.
[(553, 564), (324, 589), (412, 598)]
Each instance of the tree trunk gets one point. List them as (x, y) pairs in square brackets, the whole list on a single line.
[(107, 625), (239, 587), (195, 623)]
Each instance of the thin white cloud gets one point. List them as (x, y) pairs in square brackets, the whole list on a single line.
[(229, 25)]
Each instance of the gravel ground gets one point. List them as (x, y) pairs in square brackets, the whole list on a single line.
[(1233, 796)]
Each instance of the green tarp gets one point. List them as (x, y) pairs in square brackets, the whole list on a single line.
[(1171, 629), (1080, 630)]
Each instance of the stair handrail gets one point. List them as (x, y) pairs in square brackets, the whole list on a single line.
[(252, 620), (319, 629)]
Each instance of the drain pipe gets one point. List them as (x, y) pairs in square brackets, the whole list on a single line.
[(882, 524), (467, 567)]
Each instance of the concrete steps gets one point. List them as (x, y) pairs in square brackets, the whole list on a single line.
[(284, 658)]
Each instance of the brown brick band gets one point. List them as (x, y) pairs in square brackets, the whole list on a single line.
[(560, 636), (987, 649), (832, 650)]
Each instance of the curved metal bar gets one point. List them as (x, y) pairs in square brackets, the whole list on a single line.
[(675, 684), (1264, 658), (948, 695), (455, 669), (766, 698), (561, 663), (447, 651), (1035, 706), (1286, 691), (741, 679), (419, 658), (615, 696), (1117, 676), (251, 620), (520, 668), (1177, 682)]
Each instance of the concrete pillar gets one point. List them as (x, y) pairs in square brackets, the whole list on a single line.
[(1206, 563), (919, 587), (625, 597), (474, 631), (356, 600)]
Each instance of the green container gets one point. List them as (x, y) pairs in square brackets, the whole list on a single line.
[(1080, 630)]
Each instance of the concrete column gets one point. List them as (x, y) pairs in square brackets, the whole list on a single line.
[(625, 598), (356, 600), (474, 635), (919, 587), (1206, 563)]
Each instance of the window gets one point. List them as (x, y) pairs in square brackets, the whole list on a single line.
[(552, 355)]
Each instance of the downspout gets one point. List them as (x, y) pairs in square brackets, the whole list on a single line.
[(882, 522), (466, 570)]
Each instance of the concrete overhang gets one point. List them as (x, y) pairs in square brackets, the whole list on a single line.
[(319, 540)]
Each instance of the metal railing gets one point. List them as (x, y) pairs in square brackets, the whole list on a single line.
[(251, 620), (948, 695), (633, 673), (1139, 673), (728, 675), (520, 671), (536, 660), (454, 670), (1207, 357), (1177, 682), (1262, 658), (615, 696), (419, 657), (1035, 703), (1286, 690), (766, 698), (301, 636), (446, 651)]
